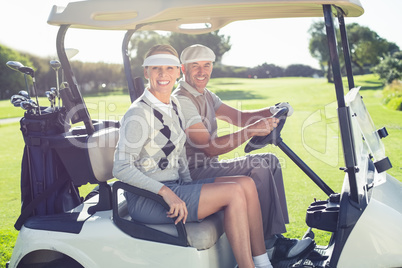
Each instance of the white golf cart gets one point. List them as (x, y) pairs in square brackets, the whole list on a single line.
[(57, 229)]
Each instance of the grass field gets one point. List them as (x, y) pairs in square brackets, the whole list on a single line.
[(312, 132)]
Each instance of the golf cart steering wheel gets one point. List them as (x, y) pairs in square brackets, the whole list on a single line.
[(258, 142)]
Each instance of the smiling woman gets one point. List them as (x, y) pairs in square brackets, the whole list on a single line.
[(162, 69), (150, 155)]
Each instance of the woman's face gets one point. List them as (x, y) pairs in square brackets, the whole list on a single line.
[(161, 78)]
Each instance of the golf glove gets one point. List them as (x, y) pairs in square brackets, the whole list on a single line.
[(274, 109)]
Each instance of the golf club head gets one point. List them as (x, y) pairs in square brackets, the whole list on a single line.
[(49, 95), (26, 105), (24, 94), (27, 70), (55, 64), (33, 103), (15, 65), (71, 52), (55, 92), (17, 99)]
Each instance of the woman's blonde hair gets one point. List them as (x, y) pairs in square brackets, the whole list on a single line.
[(161, 48)]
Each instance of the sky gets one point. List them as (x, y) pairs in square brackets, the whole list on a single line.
[(281, 42)]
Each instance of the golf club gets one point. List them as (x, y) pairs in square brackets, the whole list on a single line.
[(55, 64), (54, 92), (71, 52), (29, 105), (51, 96), (17, 99), (15, 65), (29, 71), (24, 94)]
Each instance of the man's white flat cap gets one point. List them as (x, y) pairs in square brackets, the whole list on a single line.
[(197, 53)]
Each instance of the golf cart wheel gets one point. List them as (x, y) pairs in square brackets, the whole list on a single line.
[(48, 259)]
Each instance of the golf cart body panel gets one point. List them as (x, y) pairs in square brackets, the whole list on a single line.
[(379, 226), (116, 249), (74, 235), (364, 219), (376, 237), (178, 15)]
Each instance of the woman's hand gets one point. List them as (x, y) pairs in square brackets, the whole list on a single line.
[(177, 206)]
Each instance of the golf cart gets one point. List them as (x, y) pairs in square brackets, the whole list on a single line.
[(59, 229)]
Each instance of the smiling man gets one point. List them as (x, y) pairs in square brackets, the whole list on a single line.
[(201, 108)]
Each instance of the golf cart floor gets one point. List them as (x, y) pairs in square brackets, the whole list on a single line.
[(318, 258)]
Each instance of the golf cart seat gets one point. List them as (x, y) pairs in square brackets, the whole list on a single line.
[(101, 146), (202, 235)]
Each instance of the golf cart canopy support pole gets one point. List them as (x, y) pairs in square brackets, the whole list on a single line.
[(343, 111), (345, 47), (75, 105), (127, 65)]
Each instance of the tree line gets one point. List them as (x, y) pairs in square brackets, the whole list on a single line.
[(369, 52), (92, 77), (367, 48)]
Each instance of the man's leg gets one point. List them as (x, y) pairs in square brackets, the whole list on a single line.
[(275, 167), (256, 167), (267, 174)]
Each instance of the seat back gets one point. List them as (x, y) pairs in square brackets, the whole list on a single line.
[(101, 146)]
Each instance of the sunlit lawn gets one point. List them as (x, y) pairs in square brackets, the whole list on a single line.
[(312, 132)]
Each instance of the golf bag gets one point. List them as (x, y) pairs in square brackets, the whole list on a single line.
[(46, 187)]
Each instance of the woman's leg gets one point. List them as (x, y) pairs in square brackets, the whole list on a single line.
[(230, 197), (254, 212), (243, 224)]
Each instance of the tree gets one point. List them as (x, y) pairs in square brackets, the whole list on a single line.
[(366, 46), (300, 70), (390, 67), (139, 45), (267, 71), (220, 44), (318, 47), (97, 76), (142, 41), (44, 75), (11, 82)]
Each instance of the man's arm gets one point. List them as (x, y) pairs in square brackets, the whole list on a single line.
[(244, 118), (199, 137), (241, 118)]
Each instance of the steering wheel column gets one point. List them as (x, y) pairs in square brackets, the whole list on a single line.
[(274, 138)]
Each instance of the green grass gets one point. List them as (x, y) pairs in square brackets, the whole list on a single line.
[(312, 132)]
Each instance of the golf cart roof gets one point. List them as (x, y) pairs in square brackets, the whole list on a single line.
[(185, 16)]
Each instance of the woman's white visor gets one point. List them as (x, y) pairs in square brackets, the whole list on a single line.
[(161, 59)]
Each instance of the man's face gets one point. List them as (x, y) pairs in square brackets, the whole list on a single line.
[(197, 74)]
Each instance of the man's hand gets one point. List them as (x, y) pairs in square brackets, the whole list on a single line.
[(177, 206), (263, 126), (274, 109)]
